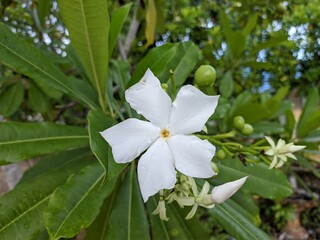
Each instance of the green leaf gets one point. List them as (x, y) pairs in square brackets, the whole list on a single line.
[(32, 62), (309, 109), (268, 183), (98, 122), (125, 217), (267, 128), (74, 205), (186, 58), (181, 58), (251, 23), (22, 208), (37, 100), (157, 59), (88, 26), (236, 40), (43, 10), (19, 141), (226, 85), (11, 99), (305, 163), (271, 42), (229, 216), (177, 227), (118, 18)]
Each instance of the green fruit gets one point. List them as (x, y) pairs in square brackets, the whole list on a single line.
[(221, 154), (205, 76), (238, 122), (247, 129)]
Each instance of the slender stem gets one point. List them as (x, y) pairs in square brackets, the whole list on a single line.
[(174, 88), (225, 135)]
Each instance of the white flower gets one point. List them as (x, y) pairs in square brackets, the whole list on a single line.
[(167, 135), (281, 151)]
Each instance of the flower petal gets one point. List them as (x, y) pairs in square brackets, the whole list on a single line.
[(270, 141), (221, 193), (156, 170), (192, 156), (130, 138), (149, 99), (191, 110), (274, 162)]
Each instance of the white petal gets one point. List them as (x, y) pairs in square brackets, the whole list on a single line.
[(192, 156), (130, 138), (205, 189), (191, 110), (290, 155), (294, 148), (149, 99), (156, 169), (192, 212), (274, 162), (221, 193), (270, 141)]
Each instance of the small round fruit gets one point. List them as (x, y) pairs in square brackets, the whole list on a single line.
[(221, 154), (239, 122), (247, 129), (205, 76)]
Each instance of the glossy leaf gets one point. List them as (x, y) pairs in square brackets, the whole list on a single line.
[(32, 62), (74, 205), (19, 141), (37, 100), (98, 122), (228, 215), (226, 85), (118, 18), (181, 58), (88, 26), (11, 99), (126, 217), (21, 209), (267, 128), (309, 108), (268, 183)]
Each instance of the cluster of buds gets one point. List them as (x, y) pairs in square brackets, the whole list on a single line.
[(186, 193)]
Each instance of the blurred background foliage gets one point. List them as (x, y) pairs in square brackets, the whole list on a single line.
[(266, 54)]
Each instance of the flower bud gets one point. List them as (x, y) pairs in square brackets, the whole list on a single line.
[(205, 76), (239, 122), (247, 129), (223, 192)]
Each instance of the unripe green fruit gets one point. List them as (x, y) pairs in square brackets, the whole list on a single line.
[(221, 154), (239, 122), (205, 76), (247, 129)]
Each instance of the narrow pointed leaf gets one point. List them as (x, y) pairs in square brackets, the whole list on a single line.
[(88, 26), (228, 215), (32, 62), (74, 205), (98, 122), (21, 209), (118, 18), (268, 183), (127, 217), (11, 99), (19, 141)]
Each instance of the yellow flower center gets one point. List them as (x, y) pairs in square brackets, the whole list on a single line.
[(165, 133)]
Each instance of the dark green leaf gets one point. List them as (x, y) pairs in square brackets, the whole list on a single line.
[(226, 85), (73, 206), (20, 141), (22, 208), (268, 183), (88, 26), (118, 18), (127, 219), (32, 62), (37, 100), (98, 122), (11, 99), (229, 216)]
